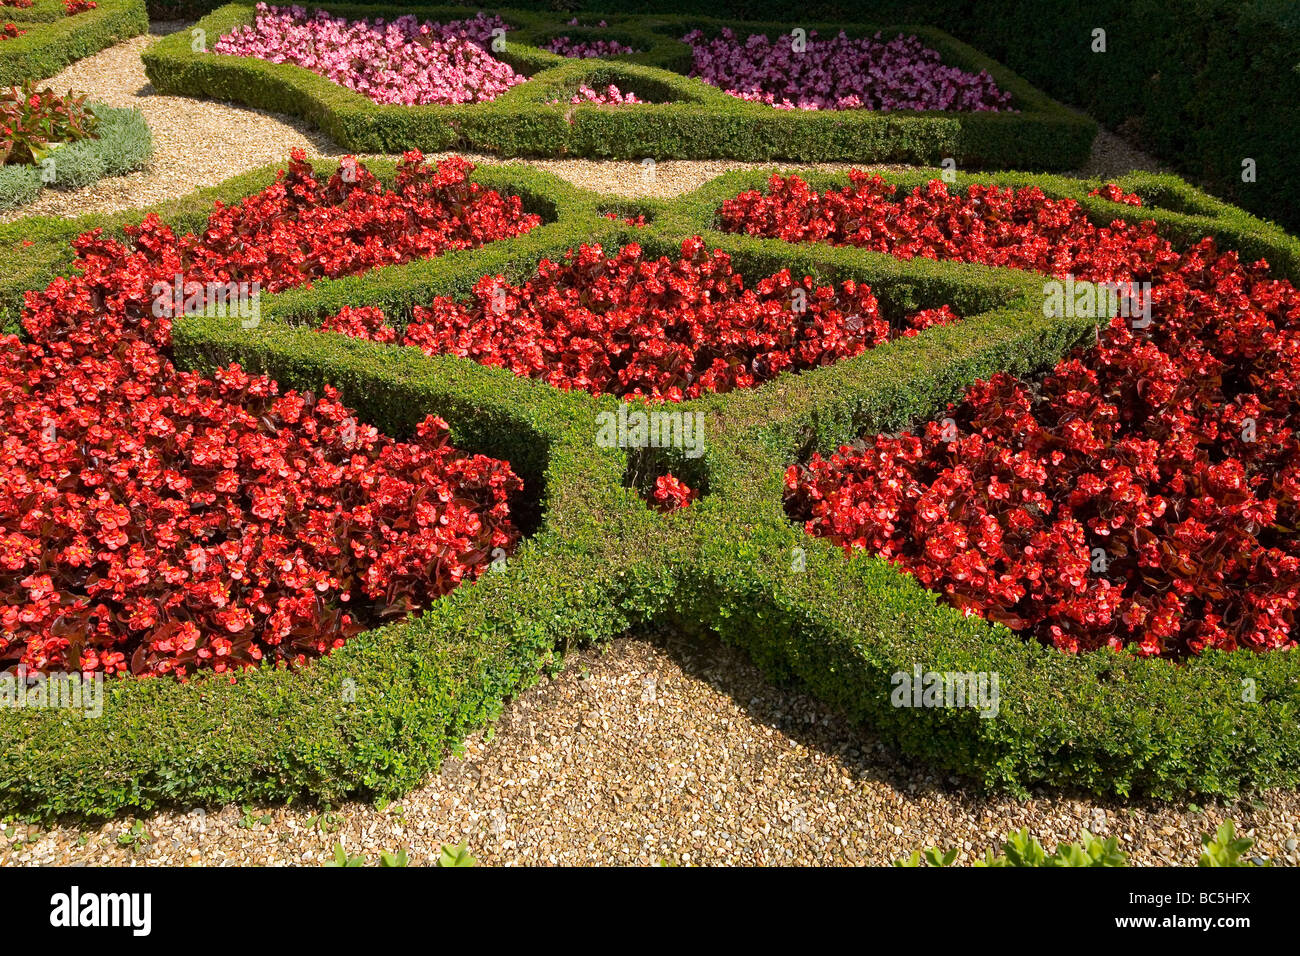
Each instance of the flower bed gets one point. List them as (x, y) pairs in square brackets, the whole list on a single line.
[(1143, 494), (628, 325), (586, 49), (401, 61), (610, 96), (1017, 126), (840, 73), (156, 521)]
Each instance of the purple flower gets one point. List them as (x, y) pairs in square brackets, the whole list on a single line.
[(840, 73), (402, 61)]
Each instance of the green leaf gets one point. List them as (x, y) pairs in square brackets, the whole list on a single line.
[(457, 855)]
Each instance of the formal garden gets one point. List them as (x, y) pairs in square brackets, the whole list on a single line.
[(438, 433)]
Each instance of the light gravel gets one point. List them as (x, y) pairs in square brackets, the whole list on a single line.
[(663, 751), (650, 751)]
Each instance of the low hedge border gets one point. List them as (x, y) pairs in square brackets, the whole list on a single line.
[(376, 717), (685, 118), (123, 144), (42, 11), (50, 45)]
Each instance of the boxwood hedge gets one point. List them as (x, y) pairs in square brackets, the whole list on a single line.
[(54, 40), (377, 716), (683, 118)]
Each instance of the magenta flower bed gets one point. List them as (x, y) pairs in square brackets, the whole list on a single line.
[(611, 95), (403, 61), (840, 73), (586, 49)]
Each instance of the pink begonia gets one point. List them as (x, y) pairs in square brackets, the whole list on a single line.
[(611, 95), (402, 61), (585, 49), (840, 73)]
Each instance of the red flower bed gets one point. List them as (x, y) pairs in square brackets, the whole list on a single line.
[(1143, 494), (625, 324), (996, 226), (300, 229), (154, 521)]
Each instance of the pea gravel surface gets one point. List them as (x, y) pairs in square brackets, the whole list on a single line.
[(661, 751), (650, 751)]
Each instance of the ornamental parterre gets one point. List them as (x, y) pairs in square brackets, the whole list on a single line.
[(1143, 494), (155, 522), (628, 325)]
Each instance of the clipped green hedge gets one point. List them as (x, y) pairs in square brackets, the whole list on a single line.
[(122, 144), (52, 44), (377, 716), (684, 118), (42, 11)]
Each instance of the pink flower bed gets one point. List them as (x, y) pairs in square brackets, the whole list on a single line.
[(610, 95), (403, 61), (840, 73), (586, 49)]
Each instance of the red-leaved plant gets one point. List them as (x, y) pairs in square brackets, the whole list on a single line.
[(34, 122)]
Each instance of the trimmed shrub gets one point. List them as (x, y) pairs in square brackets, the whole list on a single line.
[(375, 717), (50, 45)]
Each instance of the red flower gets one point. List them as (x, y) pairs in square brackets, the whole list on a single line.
[(157, 521), (1143, 494)]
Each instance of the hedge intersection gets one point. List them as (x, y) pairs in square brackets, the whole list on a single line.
[(377, 716)]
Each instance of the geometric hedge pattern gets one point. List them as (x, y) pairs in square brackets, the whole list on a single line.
[(376, 716)]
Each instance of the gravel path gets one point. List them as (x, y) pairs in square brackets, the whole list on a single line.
[(663, 751), (200, 143), (651, 751)]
